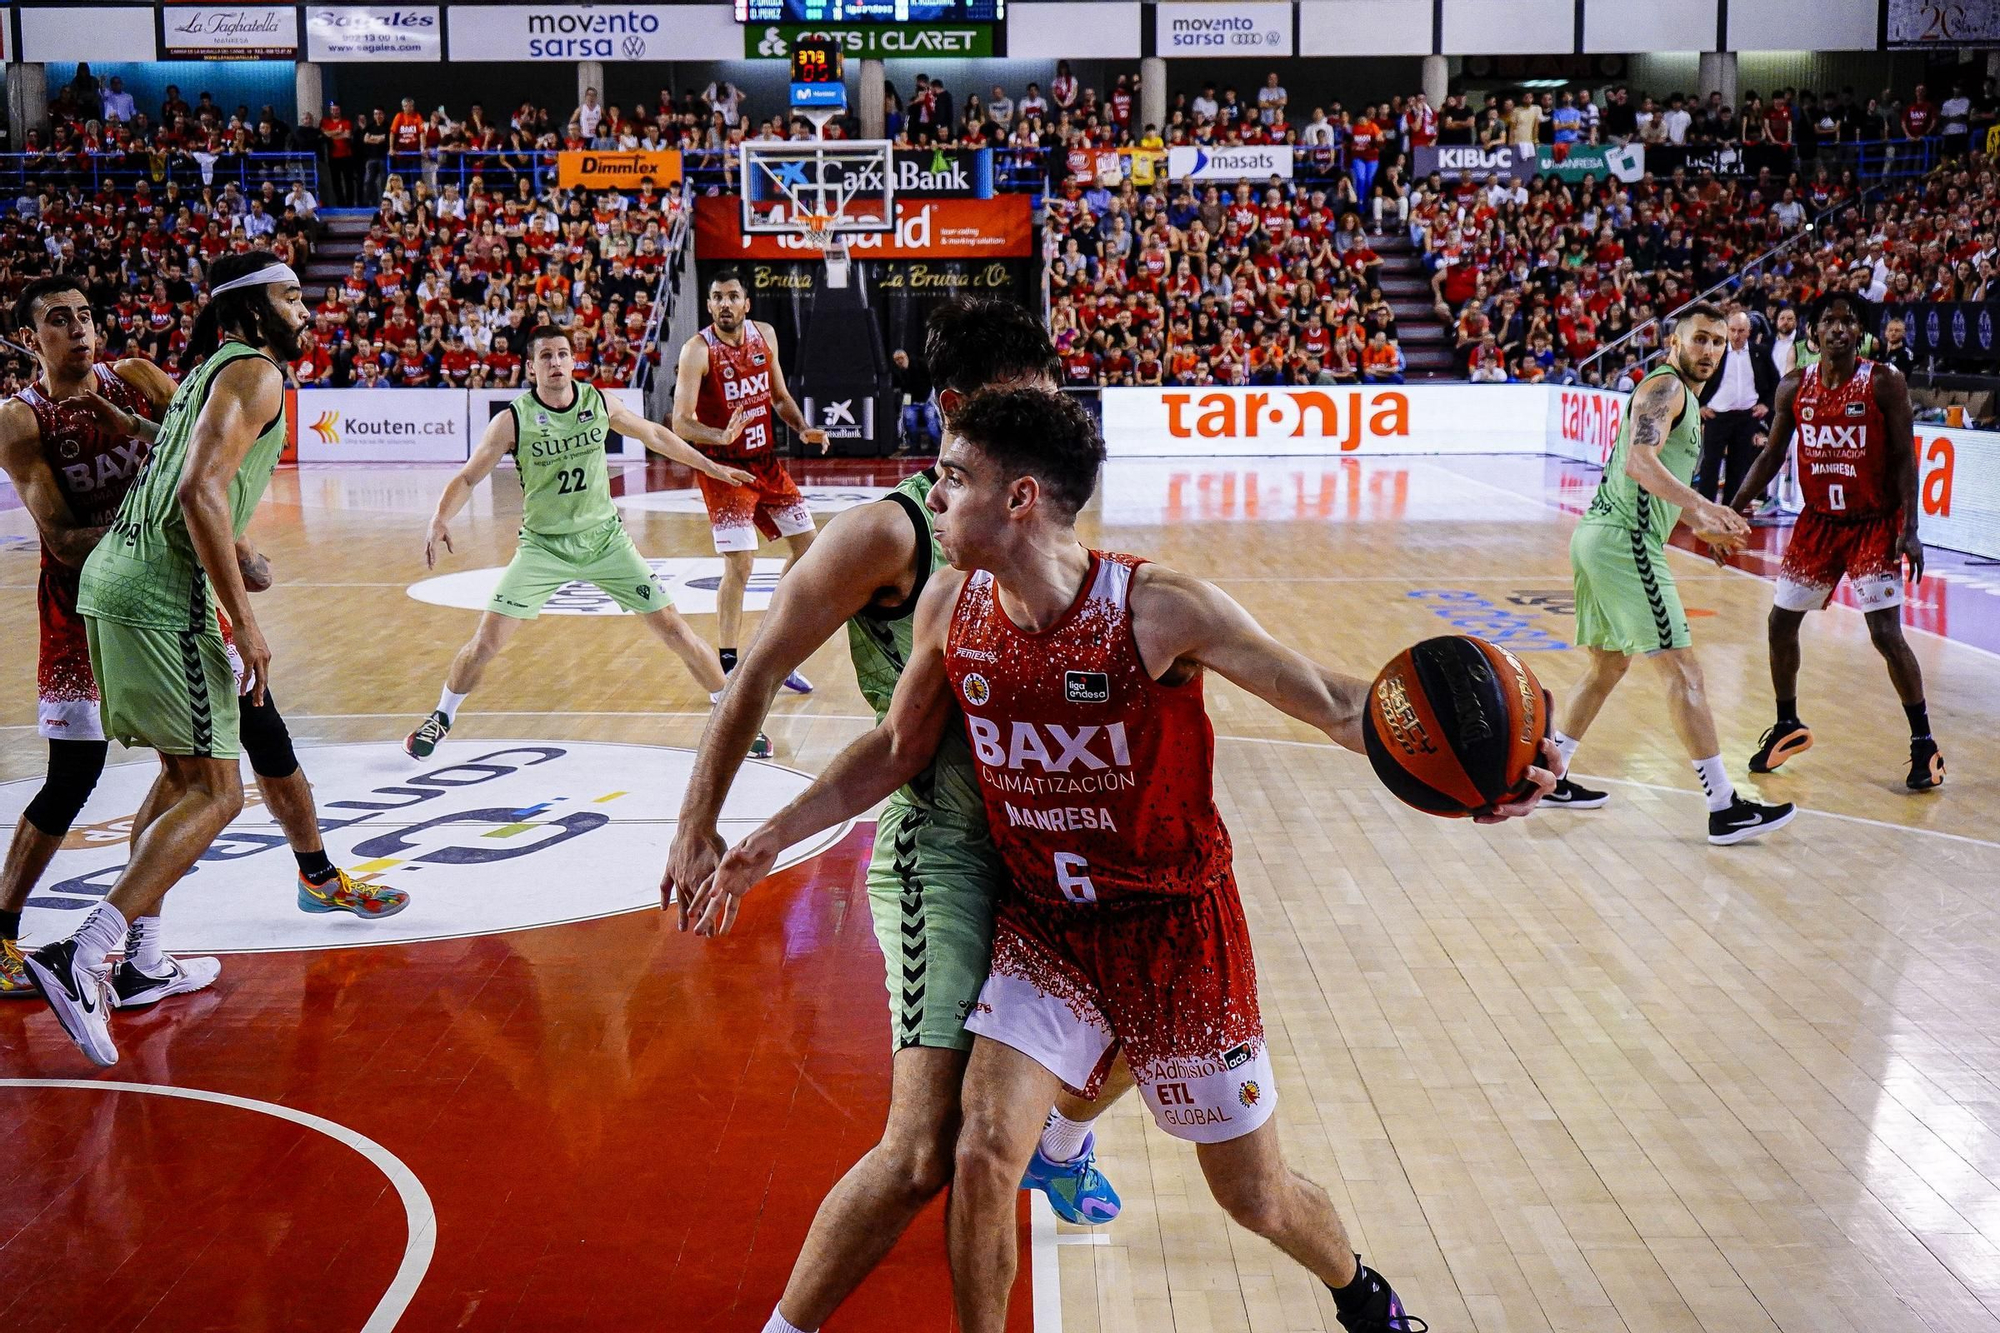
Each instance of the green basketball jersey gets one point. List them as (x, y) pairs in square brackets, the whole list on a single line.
[(879, 638), (565, 487), (1621, 502), (145, 571)]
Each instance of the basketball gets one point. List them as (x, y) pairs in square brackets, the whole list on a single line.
[(1453, 725)]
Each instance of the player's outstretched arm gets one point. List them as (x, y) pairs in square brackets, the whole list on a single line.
[(1776, 445), (865, 772), (1654, 406), (782, 402), (688, 374), (21, 458), (247, 395), (669, 445), (860, 551), (1892, 396), (150, 380), (501, 433)]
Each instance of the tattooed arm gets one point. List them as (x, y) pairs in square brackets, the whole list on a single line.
[(1654, 408)]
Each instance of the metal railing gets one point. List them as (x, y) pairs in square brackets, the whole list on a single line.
[(22, 173), (667, 293)]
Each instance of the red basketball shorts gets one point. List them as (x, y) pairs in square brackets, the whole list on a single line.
[(770, 506), (1823, 550)]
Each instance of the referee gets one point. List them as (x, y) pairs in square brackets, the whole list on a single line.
[(1733, 417)]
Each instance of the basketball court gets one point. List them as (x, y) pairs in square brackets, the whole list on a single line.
[(1580, 1072)]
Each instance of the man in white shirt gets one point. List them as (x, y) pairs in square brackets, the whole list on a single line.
[(1878, 272), (1784, 343), (727, 98), (588, 114), (1032, 103), (257, 224), (1001, 109), (1955, 114), (1204, 105), (118, 103), (301, 201), (1271, 99), (1593, 114), (1790, 213), (1318, 131), (1677, 120), (1733, 416)]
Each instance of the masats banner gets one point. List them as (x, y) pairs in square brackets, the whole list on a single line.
[(564, 32), (1215, 421), (1257, 163), (355, 34), (998, 228), (618, 171)]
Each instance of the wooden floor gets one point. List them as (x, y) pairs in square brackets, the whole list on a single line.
[(1583, 1072)]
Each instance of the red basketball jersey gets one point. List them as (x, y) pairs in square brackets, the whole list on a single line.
[(1098, 779), (739, 375), (93, 468), (1843, 449)]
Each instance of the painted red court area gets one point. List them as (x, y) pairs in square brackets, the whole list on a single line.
[(619, 1126)]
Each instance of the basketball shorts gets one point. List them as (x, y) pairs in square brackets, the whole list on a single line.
[(1823, 550), (1626, 599), (169, 690), (66, 703), (604, 556), (741, 518), (1169, 981), (932, 883)]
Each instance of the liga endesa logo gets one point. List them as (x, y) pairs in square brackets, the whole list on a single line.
[(1294, 414)]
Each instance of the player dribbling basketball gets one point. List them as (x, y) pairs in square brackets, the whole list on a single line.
[(1080, 678)]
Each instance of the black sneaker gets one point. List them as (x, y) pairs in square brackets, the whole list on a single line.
[(1575, 797), (1382, 1312), (1926, 766), (1747, 819), (420, 743), (1780, 743), (761, 747), (77, 995)]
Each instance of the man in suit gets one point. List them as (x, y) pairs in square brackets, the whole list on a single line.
[(1736, 406)]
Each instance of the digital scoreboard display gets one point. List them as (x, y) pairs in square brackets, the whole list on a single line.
[(871, 11), (818, 60)]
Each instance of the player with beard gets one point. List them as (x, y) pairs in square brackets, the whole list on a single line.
[(1076, 679), (934, 875), (1858, 477), (72, 443), (148, 595)]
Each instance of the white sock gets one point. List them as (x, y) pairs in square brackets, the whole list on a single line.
[(1715, 782), (777, 1324), (100, 933), (1567, 744), (142, 946), (448, 703), (1062, 1138), (714, 698)]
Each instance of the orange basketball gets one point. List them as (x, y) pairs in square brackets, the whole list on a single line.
[(1453, 725)]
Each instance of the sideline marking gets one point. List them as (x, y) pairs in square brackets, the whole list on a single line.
[(418, 1213)]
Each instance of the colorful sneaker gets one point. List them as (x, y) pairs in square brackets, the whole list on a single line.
[(1077, 1190), (1926, 766), (761, 747), (14, 983), (77, 995), (1780, 743), (133, 989), (343, 894), (1576, 797), (798, 684), (1383, 1310), (420, 743)]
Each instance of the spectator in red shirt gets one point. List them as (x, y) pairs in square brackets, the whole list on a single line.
[(1920, 117), (343, 163), (406, 131), (1364, 145)]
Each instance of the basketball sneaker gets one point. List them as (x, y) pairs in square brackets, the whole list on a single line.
[(420, 743), (1744, 820), (133, 989), (1076, 1189), (1379, 1310), (1926, 766), (14, 983), (1781, 742), (78, 995), (761, 747), (798, 684), (1576, 797), (344, 894)]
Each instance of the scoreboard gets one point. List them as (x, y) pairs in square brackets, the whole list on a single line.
[(871, 11)]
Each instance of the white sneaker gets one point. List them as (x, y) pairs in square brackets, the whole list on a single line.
[(133, 989), (798, 684), (79, 997)]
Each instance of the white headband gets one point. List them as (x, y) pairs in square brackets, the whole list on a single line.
[(268, 274)]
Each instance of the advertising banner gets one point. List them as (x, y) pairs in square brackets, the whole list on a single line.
[(1574, 161), (1457, 162), (1103, 30), (355, 34), (565, 32), (1223, 29), (1959, 488), (1962, 330), (997, 228), (381, 425), (1583, 422), (618, 171), (232, 32), (1258, 163), (876, 41), (1213, 421), (112, 33)]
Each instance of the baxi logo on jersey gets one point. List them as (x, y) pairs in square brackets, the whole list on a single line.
[(749, 386), (1834, 439)]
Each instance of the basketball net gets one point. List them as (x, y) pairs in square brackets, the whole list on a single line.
[(817, 228)]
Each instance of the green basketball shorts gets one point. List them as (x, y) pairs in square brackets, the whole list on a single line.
[(931, 887), (169, 690), (1626, 600), (603, 555)]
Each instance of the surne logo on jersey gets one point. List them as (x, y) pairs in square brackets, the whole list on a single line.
[(1056, 748), (749, 386)]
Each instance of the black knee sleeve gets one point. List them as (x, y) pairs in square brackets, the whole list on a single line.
[(265, 738), (74, 767)]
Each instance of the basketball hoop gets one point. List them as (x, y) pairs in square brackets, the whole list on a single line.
[(817, 229)]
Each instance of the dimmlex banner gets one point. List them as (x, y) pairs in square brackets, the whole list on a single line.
[(380, 425), (997, 228), (591, 170), (1212, 421), (564, 32), (354, 34), (1257, 163)]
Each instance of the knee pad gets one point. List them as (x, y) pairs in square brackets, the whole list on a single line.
[(74, 767), (265, 738)]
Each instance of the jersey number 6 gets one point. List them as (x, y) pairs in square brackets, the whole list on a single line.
[(1075, 887)]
